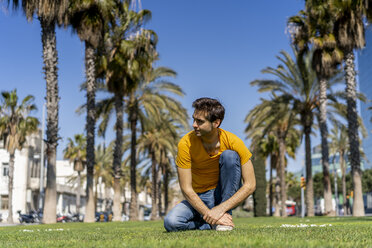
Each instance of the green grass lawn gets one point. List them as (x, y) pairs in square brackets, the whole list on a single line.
[(249, 232)]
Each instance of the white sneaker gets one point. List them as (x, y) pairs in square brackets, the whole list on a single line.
[(224, 228)]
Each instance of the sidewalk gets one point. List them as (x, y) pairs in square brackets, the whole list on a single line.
[(6, 224)]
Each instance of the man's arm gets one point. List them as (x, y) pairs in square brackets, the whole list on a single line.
[(185, 179), (249, 186)]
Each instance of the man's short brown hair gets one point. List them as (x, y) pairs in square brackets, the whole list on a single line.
[(213, 108)]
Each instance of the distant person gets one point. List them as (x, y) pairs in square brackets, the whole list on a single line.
[(348, 208), (211, 163)]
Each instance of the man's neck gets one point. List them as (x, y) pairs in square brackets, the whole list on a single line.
[(212, 137)]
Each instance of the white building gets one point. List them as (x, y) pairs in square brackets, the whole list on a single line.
[(27, 184), (26, 177)]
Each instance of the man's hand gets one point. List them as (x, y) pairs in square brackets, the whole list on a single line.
[(226, 220), (213, 215)]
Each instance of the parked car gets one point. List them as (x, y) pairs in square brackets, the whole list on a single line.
[(290, 208)]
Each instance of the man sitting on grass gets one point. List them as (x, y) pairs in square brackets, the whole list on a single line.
[(211, 163)]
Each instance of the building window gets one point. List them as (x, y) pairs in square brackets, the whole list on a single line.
[(5, 169), (35, 168), (4, 202)]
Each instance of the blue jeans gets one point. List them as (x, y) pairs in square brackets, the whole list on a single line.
[(184, 217)]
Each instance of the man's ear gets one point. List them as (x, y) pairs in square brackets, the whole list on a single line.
[(216, 123)]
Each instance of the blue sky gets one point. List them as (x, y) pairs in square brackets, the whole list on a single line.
[(216, 47)]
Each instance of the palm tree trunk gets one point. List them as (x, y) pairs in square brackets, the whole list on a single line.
[(277, 189), (159, 193), (90, 127), (277, 196), (133, 213), (322, 118), (95, 194), (283, 186), (352, 118), (50, 58), (166, 182), (343, 171), (78, 193), (117, 156), (154, 186), (272, 164), (117, 200), (309, 175), (10, 188)]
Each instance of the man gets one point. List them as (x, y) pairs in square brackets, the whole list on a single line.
[(211, 163)]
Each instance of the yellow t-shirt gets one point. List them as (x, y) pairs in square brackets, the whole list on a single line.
[(205, 168)]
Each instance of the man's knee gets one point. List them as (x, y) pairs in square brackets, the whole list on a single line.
[(229, 157), (171, 223)]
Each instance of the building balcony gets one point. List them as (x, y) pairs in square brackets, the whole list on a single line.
[(34, 183)]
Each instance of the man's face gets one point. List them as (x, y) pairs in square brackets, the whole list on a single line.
[(201, 125)]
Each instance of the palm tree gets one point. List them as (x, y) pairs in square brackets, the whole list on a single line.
[(368, 10), (76, 152), (87, 18), (273, 117), (345, 19), (339, 144), (49, 13), (167, 173), (339, 135), (349, 33), (15, 126), (122, 60), (151, 96), (268, 146), (103, 168), (159, 138), (298, 85), (313, 27)]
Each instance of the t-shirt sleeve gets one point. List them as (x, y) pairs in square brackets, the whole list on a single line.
[(183, 159), (241, 149)]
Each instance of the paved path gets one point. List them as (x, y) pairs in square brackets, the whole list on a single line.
[(6, 224), (17, 224)]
